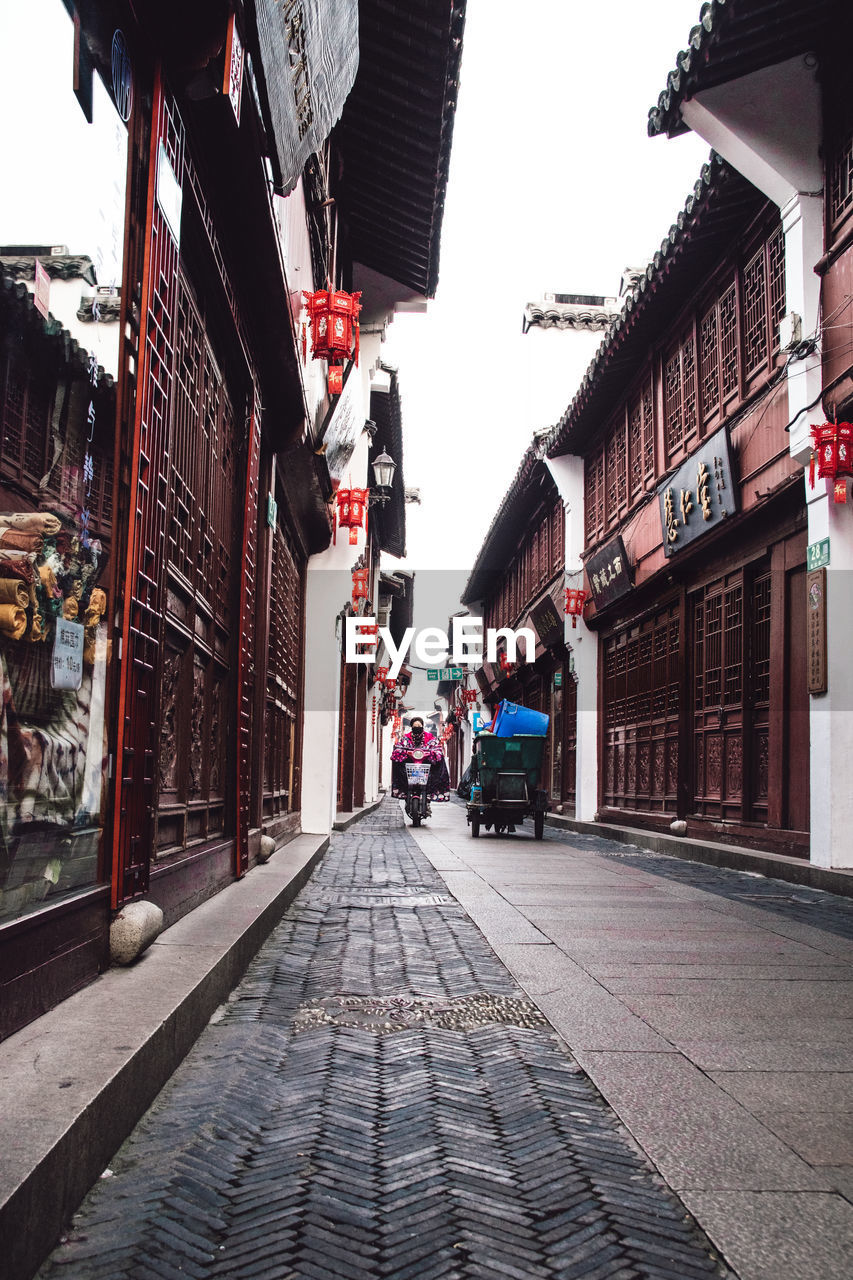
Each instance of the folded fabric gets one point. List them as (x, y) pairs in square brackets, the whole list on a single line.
[(21, 539), (17, 564), (48, 579), (97, 601), (14, 591), (13, 621), (32, 521)]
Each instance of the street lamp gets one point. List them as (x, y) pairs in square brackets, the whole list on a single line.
[(384, 468)]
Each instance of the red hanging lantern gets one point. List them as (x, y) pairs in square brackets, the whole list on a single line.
[(833, 448), (470, 696), (336, 379), (334, 324), (360, 589), (575, 600), (380, 674), (351, 512)]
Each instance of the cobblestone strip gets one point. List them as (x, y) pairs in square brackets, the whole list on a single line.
[(379, 1099)]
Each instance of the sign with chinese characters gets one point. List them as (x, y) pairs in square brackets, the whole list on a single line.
[(67, 665), (558, 679), (817, 554), (233, 82), (816, 630), (609, 573), (699, 495), (548, 622)]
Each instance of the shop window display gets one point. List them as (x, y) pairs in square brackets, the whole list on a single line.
[(61, 234)]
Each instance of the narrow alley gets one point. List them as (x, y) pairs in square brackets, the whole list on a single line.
[(382, 1097)]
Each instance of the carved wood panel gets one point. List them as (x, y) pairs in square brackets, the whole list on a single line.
[(641, 674)]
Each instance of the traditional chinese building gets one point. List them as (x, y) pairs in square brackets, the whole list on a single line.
[(768, 87), (518, 581), (693, 543), (164, 479)]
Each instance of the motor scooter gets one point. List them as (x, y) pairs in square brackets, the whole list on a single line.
[(417, 778)]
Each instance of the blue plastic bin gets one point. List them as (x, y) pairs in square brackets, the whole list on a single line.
[(512, 719)]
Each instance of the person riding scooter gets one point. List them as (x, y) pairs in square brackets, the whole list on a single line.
[(417, 739)]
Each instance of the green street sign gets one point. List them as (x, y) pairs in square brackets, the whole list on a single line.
[(558, 679), (433, 675), (456, 673), (817, 554)]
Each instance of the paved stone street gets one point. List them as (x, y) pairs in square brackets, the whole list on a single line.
[(380, 1099)]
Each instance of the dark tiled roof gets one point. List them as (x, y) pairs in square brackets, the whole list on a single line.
[(395, 136), (734, 38), (720, 205), (17, 305), (569, 315)]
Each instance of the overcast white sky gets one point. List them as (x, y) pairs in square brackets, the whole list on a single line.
[(554, 186)]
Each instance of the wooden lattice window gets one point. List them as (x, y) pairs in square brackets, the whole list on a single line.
[(776, 281), (679, 389), (718, 353), (558, 535), (761, 598), (616, 471), (755, 344), (641, 441), (594, 496), (763, 302), (840, 184), (284, 678), (544, 549)]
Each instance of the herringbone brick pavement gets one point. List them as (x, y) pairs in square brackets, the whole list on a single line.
[(378, 1099)]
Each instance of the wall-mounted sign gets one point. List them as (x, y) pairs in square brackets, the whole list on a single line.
[(558, 679), (432, 674), (122, 76), (817, 554), (344, 427), (272, 511), (41, 297), (699, 496), (309, 57), (816, 630), (548, 623), (170, 197), (233, 82), (609, 573)]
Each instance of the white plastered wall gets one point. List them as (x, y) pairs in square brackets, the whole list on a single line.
[(568, 474)]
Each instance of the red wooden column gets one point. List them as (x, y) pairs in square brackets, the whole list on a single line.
[(246, 656), (138, 694)]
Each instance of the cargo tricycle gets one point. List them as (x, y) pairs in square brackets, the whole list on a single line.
[(505, 783)]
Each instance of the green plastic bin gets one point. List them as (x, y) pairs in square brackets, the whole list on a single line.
[(521, 753)]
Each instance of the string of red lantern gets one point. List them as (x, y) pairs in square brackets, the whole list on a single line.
[(575, 600), (833, 450), (352, 512)]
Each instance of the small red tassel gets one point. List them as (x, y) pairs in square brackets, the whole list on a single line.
[(811, 472)]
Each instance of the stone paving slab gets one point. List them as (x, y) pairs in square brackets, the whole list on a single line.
[(741, 978), (379, 1098), (758, 1228)]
